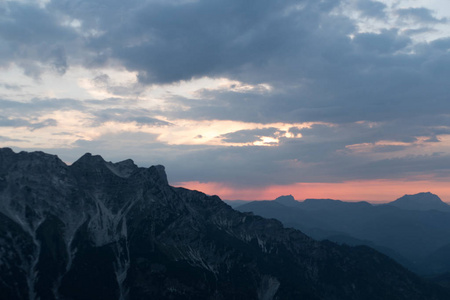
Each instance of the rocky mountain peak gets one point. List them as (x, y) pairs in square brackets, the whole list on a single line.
[(89, 159), (159, 174), (6, 155), (95, 164), (122, 169), (6, 150), (28, 163)]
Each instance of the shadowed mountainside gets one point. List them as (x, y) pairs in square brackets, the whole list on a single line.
[(414, 230), (102, 230)]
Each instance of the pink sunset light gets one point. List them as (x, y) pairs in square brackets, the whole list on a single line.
[(368, 190)]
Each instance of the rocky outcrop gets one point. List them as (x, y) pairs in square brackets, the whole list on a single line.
[(102, 230)]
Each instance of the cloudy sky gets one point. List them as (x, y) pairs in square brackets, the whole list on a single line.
[(346, 99)]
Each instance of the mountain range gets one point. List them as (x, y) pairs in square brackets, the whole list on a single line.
[(414, 229), (103, 230)]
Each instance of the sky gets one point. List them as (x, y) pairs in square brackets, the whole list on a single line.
[(343, 99)]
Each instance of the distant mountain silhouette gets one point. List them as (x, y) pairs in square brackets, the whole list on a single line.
[(317, 204), (421, 201), (235, 203), (410, 236), (287, 200)]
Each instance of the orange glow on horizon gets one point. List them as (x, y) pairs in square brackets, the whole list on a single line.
[(367, 190)]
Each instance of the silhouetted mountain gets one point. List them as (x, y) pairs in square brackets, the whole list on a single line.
[(421, 201), (410, 236), (318, 204), (101, 230), (235, 203), (287, 200)]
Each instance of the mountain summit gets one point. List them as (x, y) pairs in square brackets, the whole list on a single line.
[(421, 201), (102, 230), (287, 200)]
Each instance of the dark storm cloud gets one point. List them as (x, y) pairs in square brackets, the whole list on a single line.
[(171, 41), (31, 35), (373, 77), (305, 52)]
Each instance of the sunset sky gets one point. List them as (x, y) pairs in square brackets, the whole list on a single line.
[(344, 99)]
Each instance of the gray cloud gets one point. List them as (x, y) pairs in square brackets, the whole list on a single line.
[(251, 135), (8, 139), (32, 35), (22, 122), (37, 106), (25, 114), (414, 31), (140, 116), (12, 87), (404, 167), (319, 73), (386, 42), (171, 41), (103, 81), (420, 14), (374, 9)]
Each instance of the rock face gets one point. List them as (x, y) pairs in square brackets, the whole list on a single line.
[(101, 230)]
